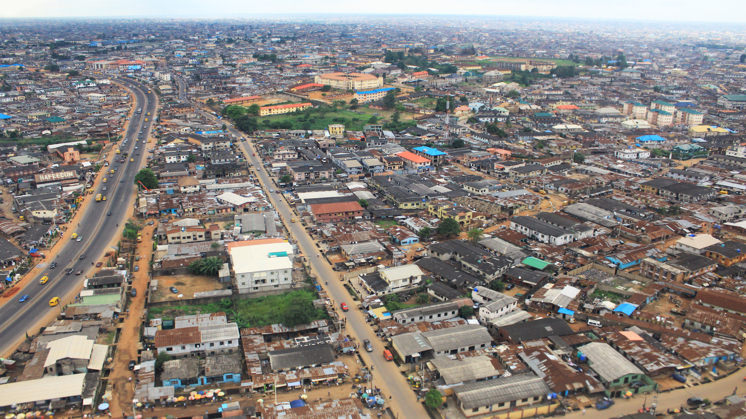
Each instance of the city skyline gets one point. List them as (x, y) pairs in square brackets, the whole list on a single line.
[(720, 11)]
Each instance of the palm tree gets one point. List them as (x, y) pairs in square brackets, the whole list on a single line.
[(475, 234)]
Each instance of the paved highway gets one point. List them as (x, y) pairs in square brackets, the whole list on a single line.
[(386, 375), (96, 228)]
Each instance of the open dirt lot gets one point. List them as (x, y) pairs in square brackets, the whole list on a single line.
[(186, 284)]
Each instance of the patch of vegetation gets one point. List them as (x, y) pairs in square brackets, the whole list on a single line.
[(386, 223), (607, 295), (291, 309)]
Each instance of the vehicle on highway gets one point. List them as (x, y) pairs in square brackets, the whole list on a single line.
[(137, 268), (75, 235), (44, 280), (82, 256), (79, 272), (131, 365), (68, 271), (98, 264), (23, 298), (108, 213), (79, 239), (387, 355), (292, 220), (133, 292), (344, 307), (52, 265), (54, 301), (131, 159), (174, 290), (366, 344)]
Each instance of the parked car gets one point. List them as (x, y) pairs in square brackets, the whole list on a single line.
[(52, 265), (133, 292), (366, 344), (174, 290), (98, 264), (131, 365), (79, 272), (604, 403), (344, 307), (23, 298), (697, 402), (137, 268), (82, 256)]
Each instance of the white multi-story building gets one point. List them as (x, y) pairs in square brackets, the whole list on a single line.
[(199, 335), (261, 265)]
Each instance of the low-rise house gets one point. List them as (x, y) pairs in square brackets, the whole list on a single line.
[(727, 253), (448, 341), (392, 279), (557, 374), (492, 304), (681, 268), (501, 394), (615, 371), (333, 212), (429, 313), (208, 338), (260, 265)]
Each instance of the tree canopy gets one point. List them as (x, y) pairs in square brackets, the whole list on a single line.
[(147, 178), (433, 399), (449, 227), (207, 266), (475, 234)]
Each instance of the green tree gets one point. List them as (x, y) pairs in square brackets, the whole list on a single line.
[(742, 59), (433, 399), (621, 61), (253, 110), (373, 120), (449, 227), (208, 266), (458, 143), (299, 311), (564, 71), (234, 111), (354, 103), (425, 233), (396, 117), (496, 285), (286, 178), (159, 360), (423, 298), (363, 203), (52, 67), (247, 124), (147, 178), (475, 234), (73, 73), (513, 94), (493, 129), (389, 100), (191, 158), (578, 158), (466, 311)]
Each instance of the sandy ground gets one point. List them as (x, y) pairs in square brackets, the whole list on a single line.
[(186, 284), (122, 390)]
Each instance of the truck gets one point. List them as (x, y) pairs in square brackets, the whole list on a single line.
[(98, 199)]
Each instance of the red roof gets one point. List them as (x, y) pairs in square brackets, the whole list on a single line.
[(174, 337), (307, 86), (420, 73), (332, 207), (408, 155), (567, 107), (289, 105)]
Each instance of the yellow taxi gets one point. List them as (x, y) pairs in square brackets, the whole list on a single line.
[(104, 180), (44, 280), (54, 301), (132, 159), (111, 171)]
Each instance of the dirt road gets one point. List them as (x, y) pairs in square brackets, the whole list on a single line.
[(714, 391), (122, 389)]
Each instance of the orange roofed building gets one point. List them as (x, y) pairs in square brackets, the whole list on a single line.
[(414, 161), (336, 211)]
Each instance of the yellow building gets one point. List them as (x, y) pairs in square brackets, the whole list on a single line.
[(336, 130), (364, 96), (446, 210), (282, 109), (349, 81)]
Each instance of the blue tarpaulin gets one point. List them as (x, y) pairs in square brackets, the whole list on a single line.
[(565, 311), (297, 403), (626, 308)]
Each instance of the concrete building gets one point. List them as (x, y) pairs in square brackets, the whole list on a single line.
[(364, 96), (501, 394), (283, 109), (349, 81), (261, 265), (429, 313)]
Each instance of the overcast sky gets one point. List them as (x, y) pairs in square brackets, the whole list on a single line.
[(656, 10)]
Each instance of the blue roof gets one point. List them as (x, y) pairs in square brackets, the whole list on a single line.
[(4, 116), (563, 310), (365, 92), (626, 308), (649, 138), (429, 151)]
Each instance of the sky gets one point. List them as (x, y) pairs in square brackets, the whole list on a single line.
[(645, 10)]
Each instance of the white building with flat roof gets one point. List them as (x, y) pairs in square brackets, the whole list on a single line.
[(261, 265)]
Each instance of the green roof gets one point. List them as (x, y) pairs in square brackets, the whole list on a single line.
[(736, 98), (662, 103), (535, 263), (55, 119), (101, 299)]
